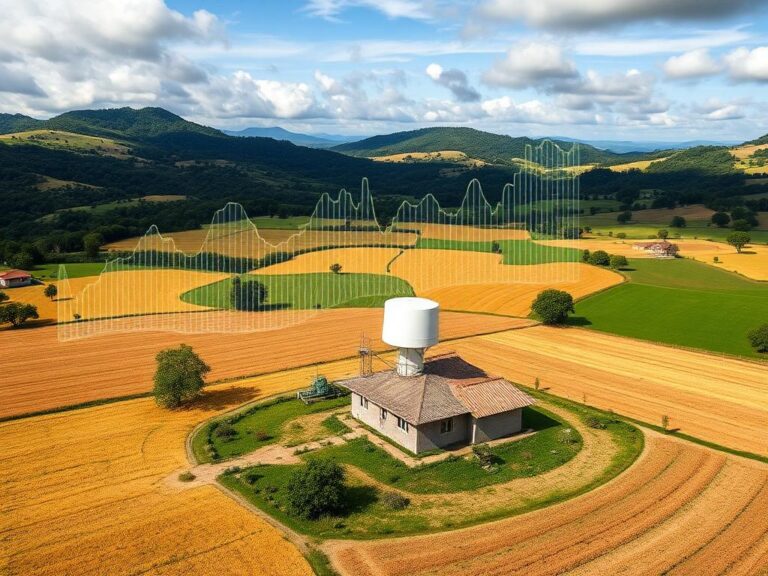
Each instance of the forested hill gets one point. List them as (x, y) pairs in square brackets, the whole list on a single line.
[(762, 140), (491, 148), (111, 123)]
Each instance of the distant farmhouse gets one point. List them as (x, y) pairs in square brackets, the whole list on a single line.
[(443, 401), (15, 278), (659, 249)]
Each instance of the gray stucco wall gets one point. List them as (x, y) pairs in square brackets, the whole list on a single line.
[(496, 426), (429, 436), (387, 427)]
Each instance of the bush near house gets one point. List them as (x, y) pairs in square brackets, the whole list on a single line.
[(316, 489)]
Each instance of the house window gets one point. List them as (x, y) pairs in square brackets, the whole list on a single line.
[(446, 426), (364, 402), (402, 424), (383, 414)]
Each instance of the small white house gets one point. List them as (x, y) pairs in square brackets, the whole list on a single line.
[(15, 278)]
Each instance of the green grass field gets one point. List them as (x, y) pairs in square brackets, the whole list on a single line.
[(74, 270), (305, 291), (513, 251), (680, 302)]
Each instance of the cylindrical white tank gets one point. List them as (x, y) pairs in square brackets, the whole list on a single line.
[(411, 324)]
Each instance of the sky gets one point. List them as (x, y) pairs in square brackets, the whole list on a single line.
[(669, 70)]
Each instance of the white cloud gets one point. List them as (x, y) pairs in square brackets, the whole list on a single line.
[(531, 64), (715, 109), (693, 64), (455, 80), (589, 14), (533, 111), (331, 9), (632, 45), (748, 65)]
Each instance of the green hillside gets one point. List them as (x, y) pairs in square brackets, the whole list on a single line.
[(10, 123), (492, 148), (712, 160)]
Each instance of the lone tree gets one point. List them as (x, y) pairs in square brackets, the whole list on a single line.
[(92, 243), (759, 338), (618, 261), (179, 377), (720, 219), (624, 217), (738, 240), (678, 222), (249, 295), (51, 291), (553, 306), (17, 313), (663, 234), (335, 268), (600, 258), (4, 297), (316, 489)]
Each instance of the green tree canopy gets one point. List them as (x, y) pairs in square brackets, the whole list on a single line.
[(4, 297), (23, 260), (663, 234), (600, 258), (335, 268), (618, 261), (759, 338), (17, 313), (738, 240), (92, 243), (552, 306), (678, 222), (179, 376), (624, 217), (51, 291), (741, 225), (316, 489), (720, 219), (249, 295)]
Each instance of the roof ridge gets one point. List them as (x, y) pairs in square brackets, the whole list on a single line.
[(423, 378)]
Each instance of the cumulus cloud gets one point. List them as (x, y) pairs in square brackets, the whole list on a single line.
[(455, 80), (567, 14), (694, 64), (748, 65), (531, 64), (18, 82)]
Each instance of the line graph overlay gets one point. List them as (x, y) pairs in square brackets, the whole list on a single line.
[(242, 279)]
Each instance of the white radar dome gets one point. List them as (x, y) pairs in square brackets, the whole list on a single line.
[(411, 322)]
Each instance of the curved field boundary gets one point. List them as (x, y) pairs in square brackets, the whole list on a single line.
[(676, 511)]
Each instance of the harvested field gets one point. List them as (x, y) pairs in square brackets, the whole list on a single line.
[(680, 510), (718, 399), (752, 262), (428, 269), (46, 308), (121, 364), (744, 152), (688, 248), (243, 240), (352, 260), (638, 165), (84, 493)]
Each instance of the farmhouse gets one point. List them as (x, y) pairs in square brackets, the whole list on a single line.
[(660, 248), (14, 278), (424, 405)]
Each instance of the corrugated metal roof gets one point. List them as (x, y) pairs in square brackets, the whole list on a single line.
[(449, 386)]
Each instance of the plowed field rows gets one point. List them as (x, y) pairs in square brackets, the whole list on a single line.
[(719, 399), (84, 493), (40, 372), (675, 511)]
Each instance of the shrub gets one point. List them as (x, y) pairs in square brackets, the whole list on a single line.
[(600, 258), (225, 431), (663, 234), (186, 476), (335, 268), (621, 235), (483, 455), (553, 306), (678, 222), (316, 489), (624, 217), (250, 295), (759, 338), (395, 501), (567, 436), (741, 226), (720, 219), (618, 261), (585, 256), (595, 422), (3, 296), (262, 435)]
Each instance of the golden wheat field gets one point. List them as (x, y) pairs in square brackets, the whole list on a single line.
[(84, 493), (638, 165), (123, 363), (752, 262), (679, 510), (468, 233), (354, 260), (719, 399)]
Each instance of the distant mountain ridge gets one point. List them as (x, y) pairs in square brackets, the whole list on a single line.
[(486, 146), (624, 146), (278, 133)]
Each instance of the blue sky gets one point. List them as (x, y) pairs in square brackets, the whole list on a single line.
[(607, 69)]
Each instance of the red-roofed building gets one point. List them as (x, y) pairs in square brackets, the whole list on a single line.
[(659, 248), (15, 278)]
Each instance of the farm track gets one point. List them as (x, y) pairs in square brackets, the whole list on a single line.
[(638, 379), (40, 372), (677, 509)]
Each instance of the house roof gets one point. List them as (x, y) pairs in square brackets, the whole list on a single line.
[(661, 245), (14, 275), (449, 386)]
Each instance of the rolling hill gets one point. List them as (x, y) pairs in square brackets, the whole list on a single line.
[(277, 133), (491, 148)]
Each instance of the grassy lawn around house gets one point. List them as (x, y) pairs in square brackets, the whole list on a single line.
[(372, 473), (74, 270), (681, 302), (262, 424), (307, 291)]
